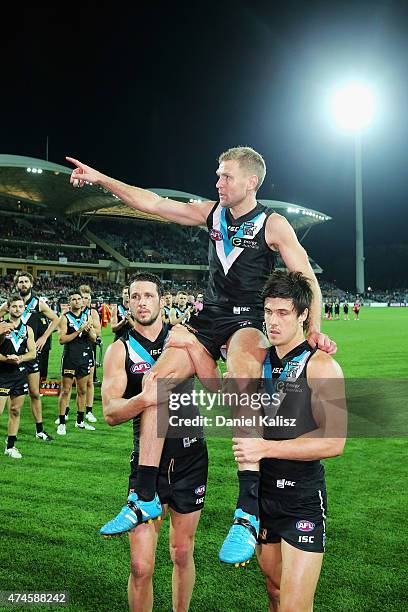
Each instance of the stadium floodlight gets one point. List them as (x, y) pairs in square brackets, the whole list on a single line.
[(353, 107)]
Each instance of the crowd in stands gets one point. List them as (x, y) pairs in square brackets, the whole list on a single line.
[(49, 253), (153, 242), (55, 289), (39, 229)]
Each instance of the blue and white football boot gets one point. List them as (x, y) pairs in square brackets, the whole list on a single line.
[(134, 513), (239, 545)]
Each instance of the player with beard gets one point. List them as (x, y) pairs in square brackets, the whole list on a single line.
[(182, 472), (35, 310), (76, 333), (121, 321), (17, 347), (307, 422), (85, 292), (244, 239), (181, 312)]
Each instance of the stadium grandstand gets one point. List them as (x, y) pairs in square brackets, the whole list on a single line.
[(61, 235)]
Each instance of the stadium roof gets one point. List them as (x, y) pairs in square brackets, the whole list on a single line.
[(44, 184)]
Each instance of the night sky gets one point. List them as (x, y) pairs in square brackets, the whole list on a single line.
[(153, 94)]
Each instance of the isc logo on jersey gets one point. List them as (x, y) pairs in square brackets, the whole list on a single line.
[(140, 368), (215, 235), (305, 526)]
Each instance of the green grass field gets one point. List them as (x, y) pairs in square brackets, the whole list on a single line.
[(54, 500)]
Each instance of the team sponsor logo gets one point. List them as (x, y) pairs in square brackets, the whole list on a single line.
[(140, 368), (233, 228), (277, 370), (244, 243), (280, 386), (305, 525), (69, 371), (200, 500), (4, 390), (215, 234), (281, 483), (200, 490)]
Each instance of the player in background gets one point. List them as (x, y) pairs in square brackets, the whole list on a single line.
[(76, 334), (121, 321), (35, 310), (17, 347), (85, 292)]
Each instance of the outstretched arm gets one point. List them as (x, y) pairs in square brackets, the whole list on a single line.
[(146, 201)]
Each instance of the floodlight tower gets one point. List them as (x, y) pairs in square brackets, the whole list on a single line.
[(353, 108)]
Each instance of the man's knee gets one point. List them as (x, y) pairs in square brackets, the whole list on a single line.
[(81, 390), (141, 569), (34, 395), (181, 552), (64, 394), (15, 411)]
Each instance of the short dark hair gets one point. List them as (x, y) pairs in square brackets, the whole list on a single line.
[(14, 297), (150, 278), (289, 286), (72, 292), (21, 273)]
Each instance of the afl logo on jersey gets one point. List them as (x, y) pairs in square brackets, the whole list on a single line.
[(305, 526), (215, 234), (140, 368)]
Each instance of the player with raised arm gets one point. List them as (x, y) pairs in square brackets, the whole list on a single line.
[(245, 237)]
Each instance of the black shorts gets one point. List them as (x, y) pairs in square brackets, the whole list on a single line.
[(76, 366), (214, 325), (299, 519), (182, 481), (32, 366), (13, 383)]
